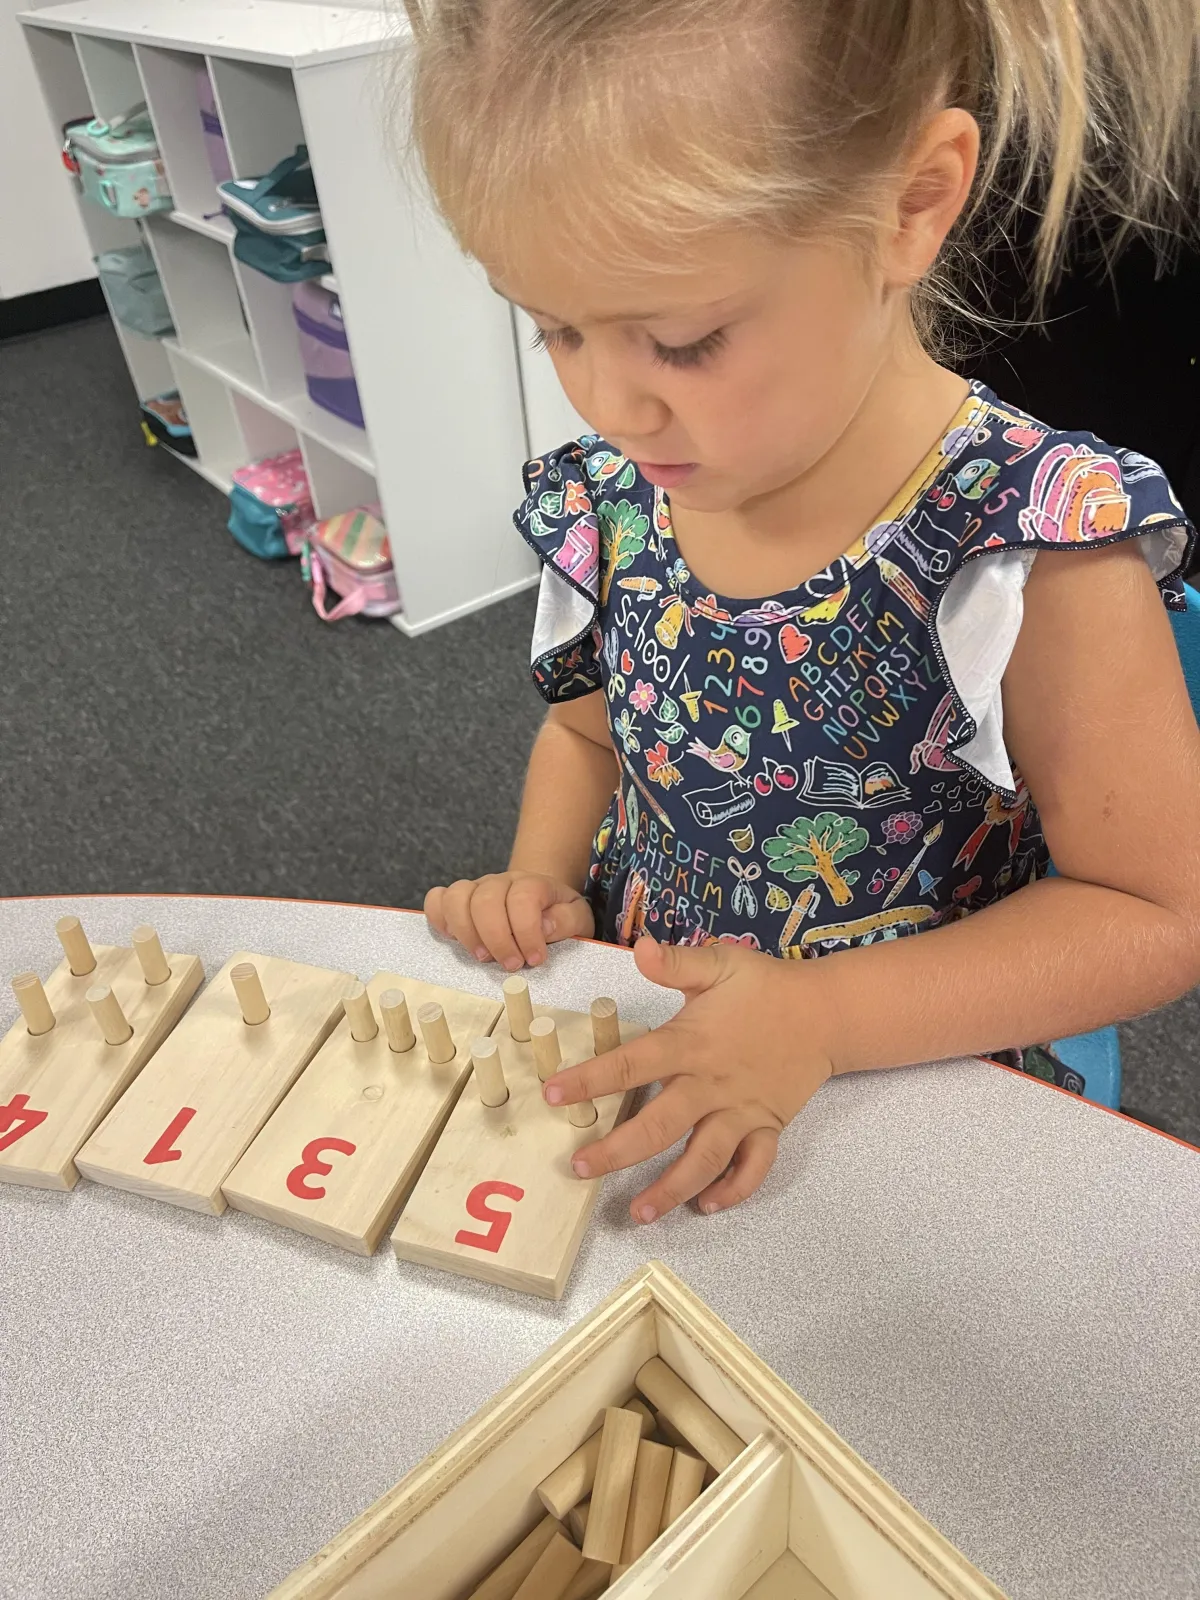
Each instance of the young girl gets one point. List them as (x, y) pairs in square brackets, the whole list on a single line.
[(838, 647)]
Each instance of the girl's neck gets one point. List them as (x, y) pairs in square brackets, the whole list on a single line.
[(775, 541)]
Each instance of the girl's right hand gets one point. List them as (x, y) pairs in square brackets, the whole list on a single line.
[(509, 916)]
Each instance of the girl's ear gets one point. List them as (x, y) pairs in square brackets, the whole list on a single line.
[(932, 191)]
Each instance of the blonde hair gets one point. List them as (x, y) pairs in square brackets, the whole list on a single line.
[(652, 120)]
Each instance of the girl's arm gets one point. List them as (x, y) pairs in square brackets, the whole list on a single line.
[(510, 916), (1097, 717)]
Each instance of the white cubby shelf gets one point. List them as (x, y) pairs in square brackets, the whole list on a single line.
[(452, 398)]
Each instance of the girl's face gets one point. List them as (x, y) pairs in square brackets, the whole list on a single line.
[(729, 379)]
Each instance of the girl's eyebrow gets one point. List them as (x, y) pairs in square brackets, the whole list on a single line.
[(713, 307)]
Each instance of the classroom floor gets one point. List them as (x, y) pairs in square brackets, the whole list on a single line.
[(173, 716)]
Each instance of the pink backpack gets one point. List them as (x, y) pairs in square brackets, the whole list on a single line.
[(350, 555)]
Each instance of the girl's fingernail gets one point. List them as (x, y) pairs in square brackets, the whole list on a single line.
[(513, 963), (535, 960), (579, 1166), (646, 1213), (548, 927), (481, 954), (708, 1207), (554, 1095)]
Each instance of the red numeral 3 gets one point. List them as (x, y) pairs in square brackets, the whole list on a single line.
[(25, 1121), (498, 1221), (161, 1149), (311, 1165)]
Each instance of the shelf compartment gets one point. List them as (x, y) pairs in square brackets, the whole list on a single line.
[(263, 433), (259, 114), (272, 330), (337, 484), (147, 360), (170, 80), (202, 292), (111, 74), (216, 426)]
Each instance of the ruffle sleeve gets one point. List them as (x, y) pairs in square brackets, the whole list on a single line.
[(557, 520), (1079, 495)]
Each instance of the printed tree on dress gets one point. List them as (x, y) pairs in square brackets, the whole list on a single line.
[(811, 847), (623, 530)]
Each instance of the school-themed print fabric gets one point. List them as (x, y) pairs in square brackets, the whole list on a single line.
[(822, 768)]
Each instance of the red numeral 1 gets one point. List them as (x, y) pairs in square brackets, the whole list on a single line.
[(498, 1221), (15, 1117), (161, 1149), (311, 1165)]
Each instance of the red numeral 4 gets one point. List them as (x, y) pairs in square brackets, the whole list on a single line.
[(498, 1221), (18, 1120)]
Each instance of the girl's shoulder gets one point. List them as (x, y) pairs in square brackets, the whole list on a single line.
[(578, 498)]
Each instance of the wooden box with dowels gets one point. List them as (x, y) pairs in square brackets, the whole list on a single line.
[(497, 1199), (648, 1455)]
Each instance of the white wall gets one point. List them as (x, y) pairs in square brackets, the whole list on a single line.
[(42, 242)]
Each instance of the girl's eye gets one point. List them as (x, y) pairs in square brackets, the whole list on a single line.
[(689, 355), (555, 339)]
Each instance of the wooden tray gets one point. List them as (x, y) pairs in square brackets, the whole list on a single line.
[(796, 1516)]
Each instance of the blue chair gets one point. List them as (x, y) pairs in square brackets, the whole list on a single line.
[(1097, 1056)]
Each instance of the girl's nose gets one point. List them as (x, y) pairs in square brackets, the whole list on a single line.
[(615, 399)]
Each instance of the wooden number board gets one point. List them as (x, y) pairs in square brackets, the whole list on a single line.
[(343, 1149), (55, 1087), (182, 1126), (498, 1199)]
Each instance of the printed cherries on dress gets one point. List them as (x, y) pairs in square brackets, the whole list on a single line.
[(825, 767)]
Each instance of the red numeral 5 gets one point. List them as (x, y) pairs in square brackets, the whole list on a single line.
[(498, 1221)]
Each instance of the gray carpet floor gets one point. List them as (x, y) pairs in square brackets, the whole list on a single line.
[(173, 716)]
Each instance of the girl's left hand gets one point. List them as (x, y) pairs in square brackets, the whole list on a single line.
[(736, 1064)]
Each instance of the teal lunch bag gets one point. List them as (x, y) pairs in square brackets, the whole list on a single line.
[(278, 222), (118, 163)]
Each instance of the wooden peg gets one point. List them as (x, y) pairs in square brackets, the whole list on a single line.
[(573, 1478), (606, 1025), (106, 1009), (74, 941), (698, 1423), (363, 1027), (547, 1056), (619, 1440), (683, 1485), (577, 1519), (247, 985), (552, 1572), (503, 1581), (646, 1500), (435, 1031), (150, 955), (591, 1580), (519, 1008), (489, 1072), (31, 997), (582, 1114), (393, 1008)]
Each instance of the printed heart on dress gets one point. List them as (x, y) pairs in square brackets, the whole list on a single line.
[(793, 644), (626, 661), (935, 788), (957, 806), (935, 806)]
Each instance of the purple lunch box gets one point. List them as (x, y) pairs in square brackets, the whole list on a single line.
[(210, 120), (325, 351)]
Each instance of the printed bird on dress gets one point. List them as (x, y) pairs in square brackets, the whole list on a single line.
[(730, 755)]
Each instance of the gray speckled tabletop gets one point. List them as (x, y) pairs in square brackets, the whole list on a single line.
[(991, 1290)]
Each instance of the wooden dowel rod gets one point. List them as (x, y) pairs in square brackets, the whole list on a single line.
[(247, 985), (149, 952), (582, 1114), (31, 997), (519, 1008), (435, 1031), (683, 1408), (683, 1485), (489, 1071), (619, 1440), (591, 1580), (504, 1581), (547, 1056), (573, 1478), (106, 1009), (393, 1008), (606, 1025), (577, 1521), (80, 955), (357, 1004), (552, 1571), (646, 1500)]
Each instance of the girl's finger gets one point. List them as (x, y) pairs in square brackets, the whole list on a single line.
[(570, 919), (434, 908), (655, 1055), (752, 1160), (527, 902), (489, 913), (657, 1126), (459, 923), (709, 1152)]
